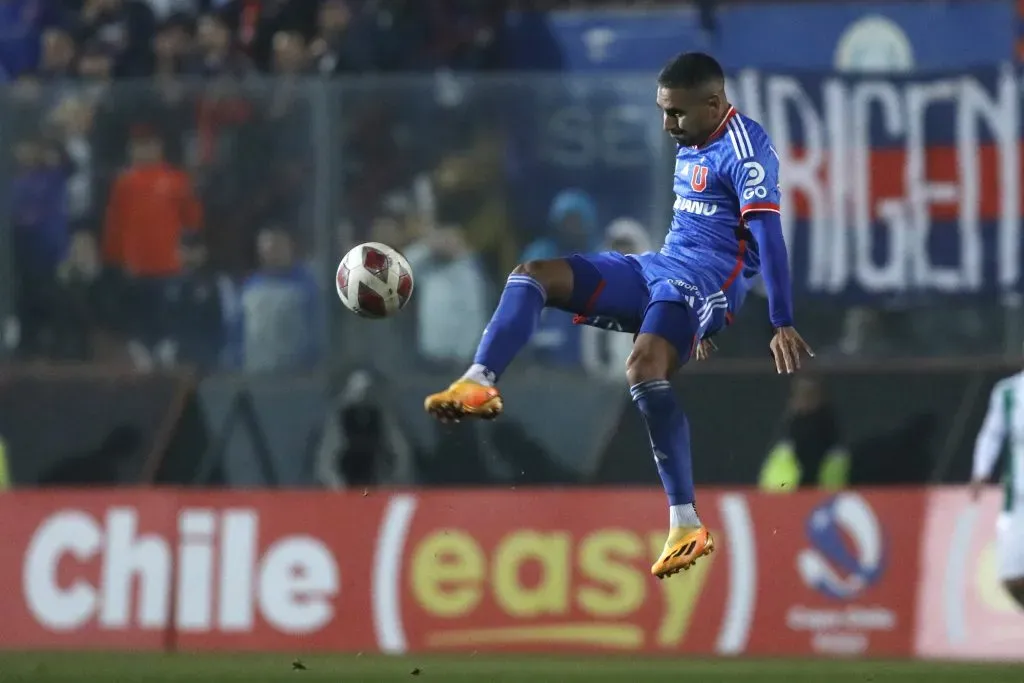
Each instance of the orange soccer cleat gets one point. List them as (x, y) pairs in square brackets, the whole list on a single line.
[(464, 398), (683, 547)]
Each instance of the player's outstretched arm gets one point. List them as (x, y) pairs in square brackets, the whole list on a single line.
[(755, 177), (787, 345), (991, 437)]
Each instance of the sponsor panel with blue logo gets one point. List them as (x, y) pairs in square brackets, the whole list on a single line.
[(845, 556)]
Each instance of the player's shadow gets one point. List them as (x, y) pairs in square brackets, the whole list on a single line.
[(103, 465), (498, 454)]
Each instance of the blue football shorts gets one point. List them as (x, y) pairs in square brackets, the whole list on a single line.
[(654, 294)]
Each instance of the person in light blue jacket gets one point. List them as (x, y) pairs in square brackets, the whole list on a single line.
[(573, 227), (278, 325)]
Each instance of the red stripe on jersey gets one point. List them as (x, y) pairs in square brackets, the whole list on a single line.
[(759, 206), (738, 267)]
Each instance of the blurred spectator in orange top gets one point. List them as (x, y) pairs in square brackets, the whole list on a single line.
[(152, 206)]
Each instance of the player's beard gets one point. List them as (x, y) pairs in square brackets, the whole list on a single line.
[(682, 139)]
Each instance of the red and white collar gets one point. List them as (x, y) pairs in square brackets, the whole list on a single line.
[(720, 130)]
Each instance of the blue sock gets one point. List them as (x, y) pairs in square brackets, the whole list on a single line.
[(670, 438), (512, 324)]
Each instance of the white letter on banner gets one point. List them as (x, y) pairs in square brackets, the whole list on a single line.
[(746, 87), (833, 252), (1001, 114), (922, 193), (803, 174), (893, 275)]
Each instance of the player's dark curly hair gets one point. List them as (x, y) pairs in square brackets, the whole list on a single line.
[(691, 70)]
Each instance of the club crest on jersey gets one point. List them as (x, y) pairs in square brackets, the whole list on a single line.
[(699, 178)]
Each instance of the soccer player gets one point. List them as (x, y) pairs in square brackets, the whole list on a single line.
[(725, 229), (1004, 427)]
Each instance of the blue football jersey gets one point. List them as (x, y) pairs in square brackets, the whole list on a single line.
[(735, 172)]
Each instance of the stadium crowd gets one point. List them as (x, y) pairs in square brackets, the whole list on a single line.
[(160, 161), (155, 166), (168, 180)]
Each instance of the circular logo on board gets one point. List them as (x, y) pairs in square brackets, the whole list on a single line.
[(848, 548), (874, 44)]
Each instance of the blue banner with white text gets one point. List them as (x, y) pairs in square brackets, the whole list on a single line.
[(896, 185), (892, 185)]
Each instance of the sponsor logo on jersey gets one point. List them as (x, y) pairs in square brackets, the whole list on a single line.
[(695, 206), (684, 285)]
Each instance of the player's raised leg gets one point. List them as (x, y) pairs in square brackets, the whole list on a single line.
[(666, 341), (530, 287), (605, 284)]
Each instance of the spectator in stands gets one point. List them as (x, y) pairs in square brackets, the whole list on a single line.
[(290, 55), (360, 443), (172, 45), (602, 354), (168, 102), (109, 115), (165, 9), (21, 23), (573, 221), (218, 54), (123, 29), (285, 146), (469, 180), (627, 236), (79, 306), (277, 325), (40, 237), (256, 24), (96, 64), (72, 119), (57, 58), (811, 450), (200, 301), (452, 294), (152, 206), (339, 46)]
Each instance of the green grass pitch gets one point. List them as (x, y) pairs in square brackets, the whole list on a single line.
[(263, 668)]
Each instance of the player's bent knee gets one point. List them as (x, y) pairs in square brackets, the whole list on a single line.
[(652, 358), (554, 275)]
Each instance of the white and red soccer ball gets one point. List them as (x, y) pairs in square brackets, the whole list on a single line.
[(374, 280)]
